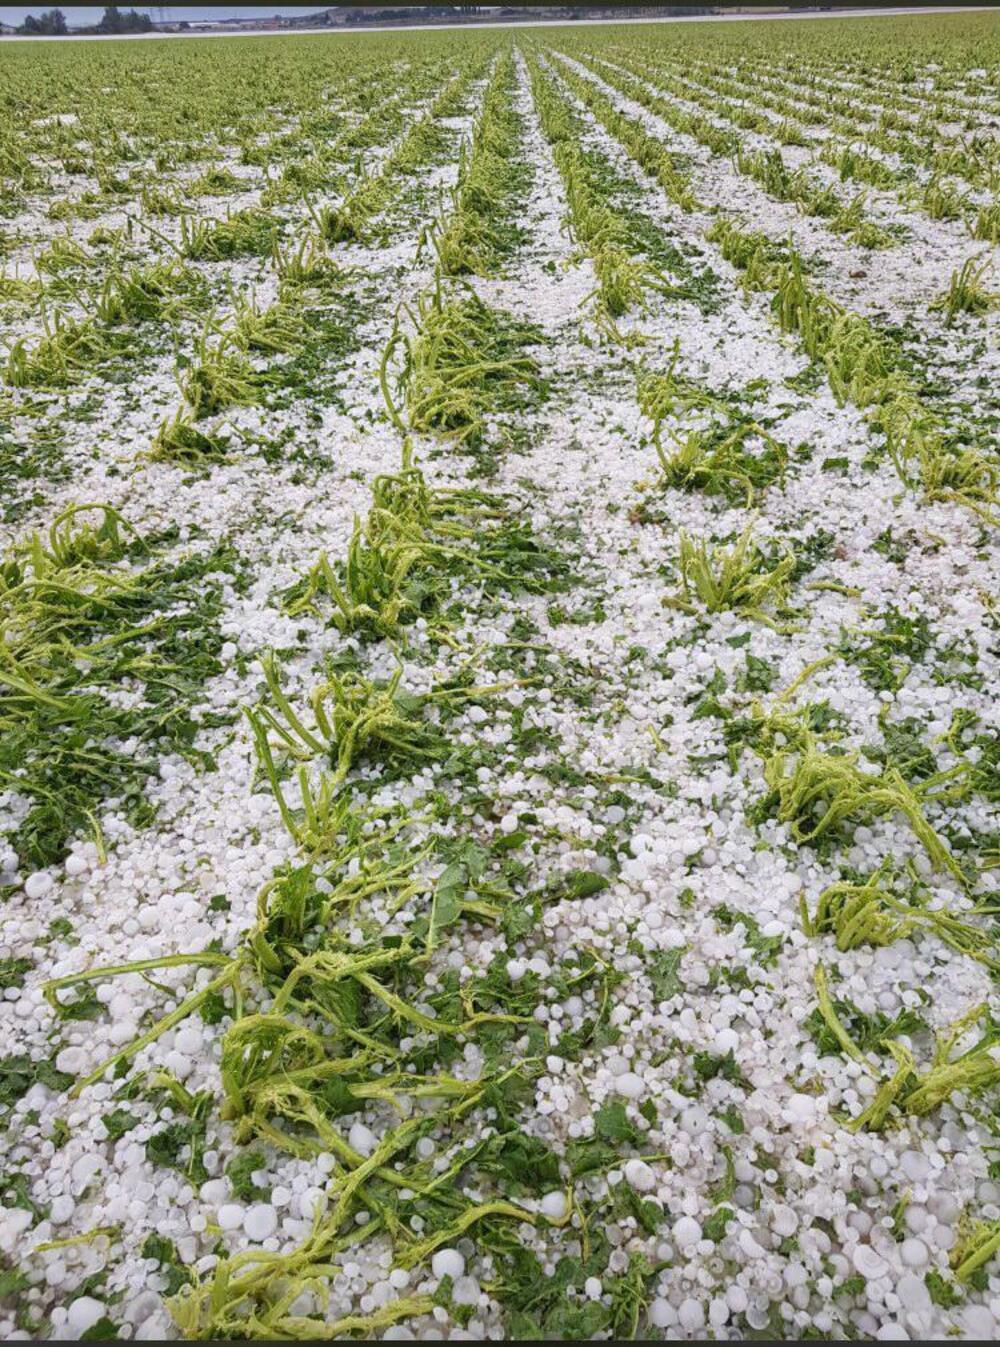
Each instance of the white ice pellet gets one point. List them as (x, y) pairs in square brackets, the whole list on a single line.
[(83, 1313), (630, 1085), (718, 1311), (979, 1323), (868, 1263), (737, 1299), (914, 1252), (465, 1291), (662, 1314), (801, 1108), (85, 1169), (362, 1138), (38, 884), (312, 1203), (686, 1232), (179, 1064), (726, 1041), (554, 1205), (71, 1060), (61, 1209), (214, 1191), (913, 1293), (448, 1263), (915, 1165), (13, 1221), (639, 1176), (189, 1040), (260, 1221), (691, 1315), (784, 1221)]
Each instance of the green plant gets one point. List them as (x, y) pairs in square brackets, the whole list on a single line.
[(815, 791), (160, 291), (669, 393), (158, 201), (975, 1249), (216, 182), (870, 914), (69, 350), (480, 232), (941, 201), (464, 360), (966, 292), (623, 282), (179, 440), (921, 1092), (279, 328), (246, 233), (305, 266), (986, 225), (962, 475), (415, 541), (217, 378), (751, 252), (718, 460), (742, 578), (86, 610), (352, 715), (858, 364)]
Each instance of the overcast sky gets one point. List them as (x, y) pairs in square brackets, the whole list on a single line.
[(77, 16)]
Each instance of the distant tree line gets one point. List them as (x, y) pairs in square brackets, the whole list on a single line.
[(51, 24), (114, 20), (123, 21)]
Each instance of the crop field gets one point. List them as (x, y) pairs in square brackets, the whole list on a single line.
[(498, 684)]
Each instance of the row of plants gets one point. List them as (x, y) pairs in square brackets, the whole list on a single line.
[(820, 790)]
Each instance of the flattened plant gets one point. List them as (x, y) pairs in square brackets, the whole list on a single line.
[(717, 460), (307, 266), (966, 292), (69, 351), (986, 225), (179, 440), (217, 377), (962, 475), (161, 291), (463, 361), (869, 913), (278, 329), (919, 1091), (246, 233), (80, 622), (742, 578), (815, 791), (480, 232), (414, 541)]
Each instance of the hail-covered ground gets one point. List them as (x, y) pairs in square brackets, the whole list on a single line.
[(498, 685)]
